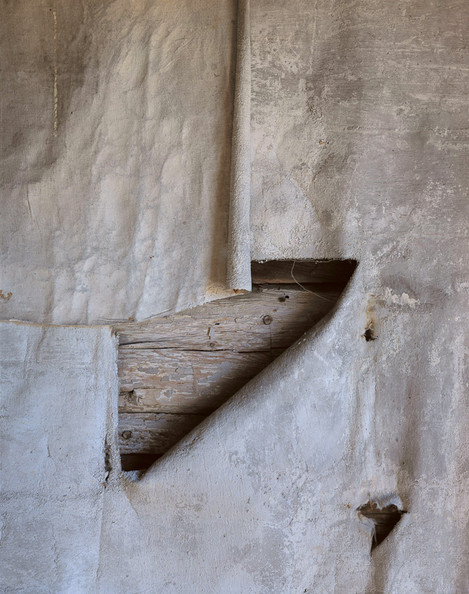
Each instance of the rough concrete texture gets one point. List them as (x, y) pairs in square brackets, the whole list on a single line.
[(360, 149), (57, 431)]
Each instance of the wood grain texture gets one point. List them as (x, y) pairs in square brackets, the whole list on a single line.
[(176, 370), (148, 433), (171, 380), (237, 323)]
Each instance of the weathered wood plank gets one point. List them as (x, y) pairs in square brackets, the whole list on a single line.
[(304, 272), (169, 380), (153, 433), (270, 317), (175, 370), (159, 401)]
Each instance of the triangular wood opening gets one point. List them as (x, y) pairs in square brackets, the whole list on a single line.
[(174, 371)]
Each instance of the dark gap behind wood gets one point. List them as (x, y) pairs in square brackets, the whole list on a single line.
[(337, 272)]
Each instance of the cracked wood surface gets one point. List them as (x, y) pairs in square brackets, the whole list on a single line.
[(237, 323), (176, 370), (185, 381)]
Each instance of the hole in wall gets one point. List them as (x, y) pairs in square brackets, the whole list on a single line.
[(107, 461), (369, 333), (174, 371), (384, 518)]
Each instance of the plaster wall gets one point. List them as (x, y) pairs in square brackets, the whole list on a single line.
[(359, 149), (116, 157)]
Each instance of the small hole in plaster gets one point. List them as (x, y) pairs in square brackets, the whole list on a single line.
[(384, 518), (369, 333), (107, 460)]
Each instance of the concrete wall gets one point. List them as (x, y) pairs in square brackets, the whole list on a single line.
[(359, 150)]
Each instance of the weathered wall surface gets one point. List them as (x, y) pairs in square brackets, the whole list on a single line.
[(57, 430), (263, 498), (359, 133), (115, 160), (359, 148)]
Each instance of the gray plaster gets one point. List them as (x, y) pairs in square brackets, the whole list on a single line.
[(120, 186), (359, 143), (238, 270), (57, 388)]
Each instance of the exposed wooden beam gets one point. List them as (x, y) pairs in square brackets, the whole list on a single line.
[(237, 323), (175, 370)]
